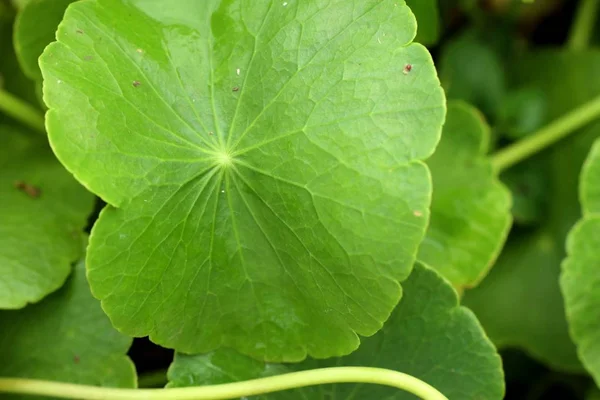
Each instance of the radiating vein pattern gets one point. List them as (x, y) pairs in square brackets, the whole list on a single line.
[(262, 162)]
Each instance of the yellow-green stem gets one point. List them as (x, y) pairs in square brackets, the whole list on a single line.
[(21, 111), (583, 25), (547, 136), (229, 390)]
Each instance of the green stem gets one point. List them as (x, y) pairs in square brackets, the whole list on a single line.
[(21, 111), (229, 390), (583, 26), (547, 136)]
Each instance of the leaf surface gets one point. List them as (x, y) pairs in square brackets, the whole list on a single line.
[(520, 303), (66, 338), (43, 212), (261, 162), (470, 212), (580, 279), (428, 336)]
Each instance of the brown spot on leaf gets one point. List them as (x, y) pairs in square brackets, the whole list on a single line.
[(136, 83), (31, 190), (76, 359), (79, 31), (407, 69), (236, 89)]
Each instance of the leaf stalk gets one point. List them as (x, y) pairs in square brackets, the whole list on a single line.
[(546, 136), (583, 25), (21, 111), (229, 390)]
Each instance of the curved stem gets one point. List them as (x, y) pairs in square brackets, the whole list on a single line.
[(21, 111), (546, 136), (583, 26), (229, 390)]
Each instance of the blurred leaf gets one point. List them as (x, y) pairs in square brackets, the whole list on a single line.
[(520, 303), (470, 70), (527, 182), (523, 112), (66, 338), (428, 20), (470, 212), (43, 212), (35, 28), (428, 336)]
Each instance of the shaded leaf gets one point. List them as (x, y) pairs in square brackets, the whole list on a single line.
[(520, 303), (35, 28), (261, 165), (66, 338), (470, 212), (580, 279), (43, 212), (470, 70), (428, 336), (428, 20)]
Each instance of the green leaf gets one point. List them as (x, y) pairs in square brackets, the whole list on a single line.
[(520, 302), (428, 20), (43, 212), (35, 27), (580, 278), (261, 165), (470, 212), (12, 78), (65, 338), (593, 394), (428, 336), (470, 70)]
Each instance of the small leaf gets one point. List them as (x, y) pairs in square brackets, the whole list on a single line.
[(65, 338), (428, 336), (35, 27), (428, 20), (43, 212), (580, 279), (261, 162), (470, 212), (520, 302)]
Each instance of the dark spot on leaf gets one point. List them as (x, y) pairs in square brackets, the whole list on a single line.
[(30, 190), (210, 133), (79, 31), (136, 83), (235, 89), (407, 69), (76, 359)]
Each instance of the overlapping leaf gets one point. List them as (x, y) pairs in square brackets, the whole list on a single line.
[(261, 162), (470, 212), (34, 29), (428, 336), (520, 303), (66, 338), (580, 279), (428, 20), (43, 211)]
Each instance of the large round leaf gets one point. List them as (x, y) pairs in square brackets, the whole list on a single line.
[(428, 336), (261, 162), (580, 280), (43, 211)]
